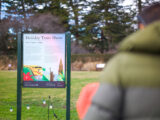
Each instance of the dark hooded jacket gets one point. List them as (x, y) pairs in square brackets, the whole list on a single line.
[(130, 83)]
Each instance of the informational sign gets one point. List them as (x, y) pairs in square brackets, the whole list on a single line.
[(44, 60)]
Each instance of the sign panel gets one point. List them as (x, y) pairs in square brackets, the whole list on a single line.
[(44, 60)]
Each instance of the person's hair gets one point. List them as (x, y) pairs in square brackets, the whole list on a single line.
[(150, 14)]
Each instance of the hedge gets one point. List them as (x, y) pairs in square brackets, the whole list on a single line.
[(90, 57)]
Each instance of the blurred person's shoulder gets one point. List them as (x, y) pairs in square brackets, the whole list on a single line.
[(136, 49), (145, 41)]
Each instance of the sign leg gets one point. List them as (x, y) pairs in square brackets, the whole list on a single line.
[(68, 38), (19, 73)]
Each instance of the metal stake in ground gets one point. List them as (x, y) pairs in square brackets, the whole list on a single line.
[(48, 105)]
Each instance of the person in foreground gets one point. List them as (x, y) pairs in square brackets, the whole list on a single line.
[(130, 83)]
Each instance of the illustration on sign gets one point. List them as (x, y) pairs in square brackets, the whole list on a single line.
[(44, 60)]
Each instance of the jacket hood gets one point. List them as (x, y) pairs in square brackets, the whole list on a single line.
[(146, 40)]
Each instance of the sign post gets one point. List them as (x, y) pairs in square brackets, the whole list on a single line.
[(19, 76), (44, 61), (68, 38)]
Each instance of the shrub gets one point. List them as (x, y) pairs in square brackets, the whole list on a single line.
[(90, 57)]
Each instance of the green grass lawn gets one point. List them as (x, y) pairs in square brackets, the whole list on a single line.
[(34, 97)]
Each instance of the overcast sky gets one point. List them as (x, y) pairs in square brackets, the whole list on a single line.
[(128, 2)]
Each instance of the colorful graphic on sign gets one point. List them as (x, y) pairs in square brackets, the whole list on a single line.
[(44, 60)]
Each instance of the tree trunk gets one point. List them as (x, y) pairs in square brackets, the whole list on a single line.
[(139, 6), (0, 10), (107, 25), (23, 8), (75, 12), (77, 26), (102, 48)]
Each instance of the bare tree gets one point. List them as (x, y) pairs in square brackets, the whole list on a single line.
[(45, 23)]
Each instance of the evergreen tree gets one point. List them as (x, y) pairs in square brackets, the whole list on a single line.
[(76, 8), (106, 24)]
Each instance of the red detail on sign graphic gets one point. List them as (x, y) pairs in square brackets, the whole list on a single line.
[(27, 77)]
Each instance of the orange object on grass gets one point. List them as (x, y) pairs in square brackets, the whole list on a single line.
[(85, 98)]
